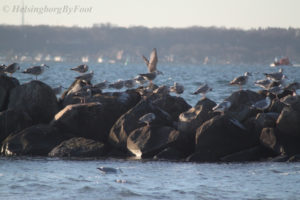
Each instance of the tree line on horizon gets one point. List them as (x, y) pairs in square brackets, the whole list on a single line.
[(179, 45)]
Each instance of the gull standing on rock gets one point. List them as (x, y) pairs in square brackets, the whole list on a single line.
[(81, 68), (222, 107), (151, 64), (203, 89), (262, 104), (102, 85), (12, 68), (117, 85), (276, 90), (177, 88), (87, 77), (241, 80), (265, 84), (276, 76), (2, 68), (35, 70), (151, 76), (147, 118)]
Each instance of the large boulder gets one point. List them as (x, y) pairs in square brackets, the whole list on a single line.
[(130, 121), (279, 142), (221, 136), (89, 120), (37, 140), (241, 102), (37, 99), (13, 121), (79, 147), (288, 121), (6, 85), (147, 141)]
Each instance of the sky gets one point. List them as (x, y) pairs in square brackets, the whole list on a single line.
[(244, 14)]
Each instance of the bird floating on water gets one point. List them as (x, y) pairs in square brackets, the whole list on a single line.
[(81, 68), (203, 89), (177, 88), (240, 80), (12, 68), (35, 70), (109, 170), (147, 118), (152, 62)]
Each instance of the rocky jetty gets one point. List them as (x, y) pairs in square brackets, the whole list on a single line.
[(87, 122)]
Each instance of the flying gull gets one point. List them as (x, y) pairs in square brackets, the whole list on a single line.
[(151, 64), (35, 70)]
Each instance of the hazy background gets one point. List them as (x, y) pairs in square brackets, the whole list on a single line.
[(189, 31)]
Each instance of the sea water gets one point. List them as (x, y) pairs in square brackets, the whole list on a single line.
[(52, 178)]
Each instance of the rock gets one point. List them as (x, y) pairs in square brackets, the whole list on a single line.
[(130, 121), (37, 140), (79, 147), (221, 136), (241, 102), (13, 121), (147, 141), (280, 143), (37, 99), (256, 153), (288, 121), (89, 120), (171, 104), (6, 85), (295, 158), (169, 153), (190, 120)]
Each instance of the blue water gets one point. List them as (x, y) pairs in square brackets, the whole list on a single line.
[(50, 178)]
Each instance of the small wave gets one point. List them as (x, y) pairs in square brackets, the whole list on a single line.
[(128, 193)]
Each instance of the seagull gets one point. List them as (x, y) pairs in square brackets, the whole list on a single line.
[(147, 118), (293, 87), (57, 90), (117, 85), (151, 64), (177, 88), (140, 79), (203, 89), (276, 76), (276, 90), (102, 85), (12, 68), (35, 70), (150, 76), (83, 94), (2, 68), (87, 77), (81, 68), (129, 83), (265, 83), (109, 170), (262, 104), (162, 90), (241, 80), (222, 107)]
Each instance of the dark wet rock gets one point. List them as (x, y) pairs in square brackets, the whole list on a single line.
[(280, 143), (147, 141), (256, 153), (130, 121), (241, 102), (79, 147), (288, 121), (280, 158), (295, 158), (13, 121), (37, 140), (190, 120), (276, 106), (6, 85), (169, 153), (89, 120), (37, 99), (221, 136)]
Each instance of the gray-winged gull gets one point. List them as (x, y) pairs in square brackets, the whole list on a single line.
[(203, 89), (222, 107), (117, 85), (81, 68), (240, 80), (12, 68), (35, 70), (152, 62), (276, 76), (262, 104), (177, 88), (87, 77), (265, 83)]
